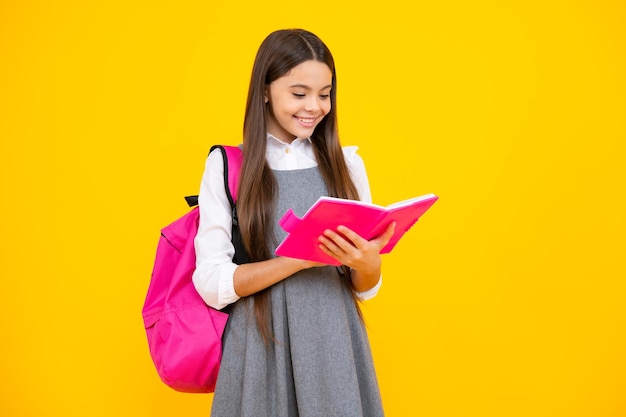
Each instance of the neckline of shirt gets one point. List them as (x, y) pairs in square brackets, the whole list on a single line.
[(282, 143)]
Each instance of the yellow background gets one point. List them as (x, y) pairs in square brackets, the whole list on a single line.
[(507, 299)]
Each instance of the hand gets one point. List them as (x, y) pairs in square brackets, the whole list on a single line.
[(354, 251)]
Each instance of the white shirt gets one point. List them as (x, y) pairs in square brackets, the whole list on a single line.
[(213, 277)]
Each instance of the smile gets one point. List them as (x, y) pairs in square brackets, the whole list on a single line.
[(306, 120)]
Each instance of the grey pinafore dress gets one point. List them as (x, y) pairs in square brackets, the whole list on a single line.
[(321, 364)]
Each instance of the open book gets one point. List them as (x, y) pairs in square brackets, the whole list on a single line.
[(366, 219)]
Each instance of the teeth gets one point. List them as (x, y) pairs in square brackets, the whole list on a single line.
[(303, 120)]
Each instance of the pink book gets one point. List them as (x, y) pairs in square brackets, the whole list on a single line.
[(366, 219)]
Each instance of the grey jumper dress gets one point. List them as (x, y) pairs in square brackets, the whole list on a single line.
[(320, 364)]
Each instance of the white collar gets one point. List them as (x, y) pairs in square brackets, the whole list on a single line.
[(283, 143)]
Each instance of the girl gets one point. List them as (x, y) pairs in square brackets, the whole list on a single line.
[(295, 343)]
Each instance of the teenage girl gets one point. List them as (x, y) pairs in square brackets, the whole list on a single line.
[(295, 344)]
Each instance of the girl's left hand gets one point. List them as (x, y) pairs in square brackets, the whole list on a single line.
[(354, 251)]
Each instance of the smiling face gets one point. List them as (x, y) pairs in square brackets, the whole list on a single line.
[(299, 100)]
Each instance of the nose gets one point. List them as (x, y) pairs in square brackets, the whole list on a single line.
[(312, 105)]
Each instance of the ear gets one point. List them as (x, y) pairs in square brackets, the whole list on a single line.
[(266, 95)]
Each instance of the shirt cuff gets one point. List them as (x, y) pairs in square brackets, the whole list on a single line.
[(226, 286), (371, 293)]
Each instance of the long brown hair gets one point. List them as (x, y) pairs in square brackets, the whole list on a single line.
[(278, 54)]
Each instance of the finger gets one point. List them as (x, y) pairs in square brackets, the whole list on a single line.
[(390, 230), (353, 237), (340, 240), (383, 239), (327, 251), (332, 250), (329, 243)]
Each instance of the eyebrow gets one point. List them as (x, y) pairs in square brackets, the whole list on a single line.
[(306, 87)]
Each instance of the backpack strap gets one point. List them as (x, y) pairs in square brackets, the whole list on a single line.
[(233, 159), (232, 165)]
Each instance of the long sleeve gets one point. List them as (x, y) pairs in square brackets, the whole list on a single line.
[(213, 277)]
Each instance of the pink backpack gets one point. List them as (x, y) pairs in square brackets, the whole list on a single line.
[(184, 333)]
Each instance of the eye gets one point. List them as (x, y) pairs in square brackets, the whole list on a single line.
[(298, 95), (324, 96)]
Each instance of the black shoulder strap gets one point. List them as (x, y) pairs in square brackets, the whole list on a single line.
[(192, 200), (229, 192), (241, 256)]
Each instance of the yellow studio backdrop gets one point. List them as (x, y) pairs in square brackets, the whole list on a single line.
[(507, 299)]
